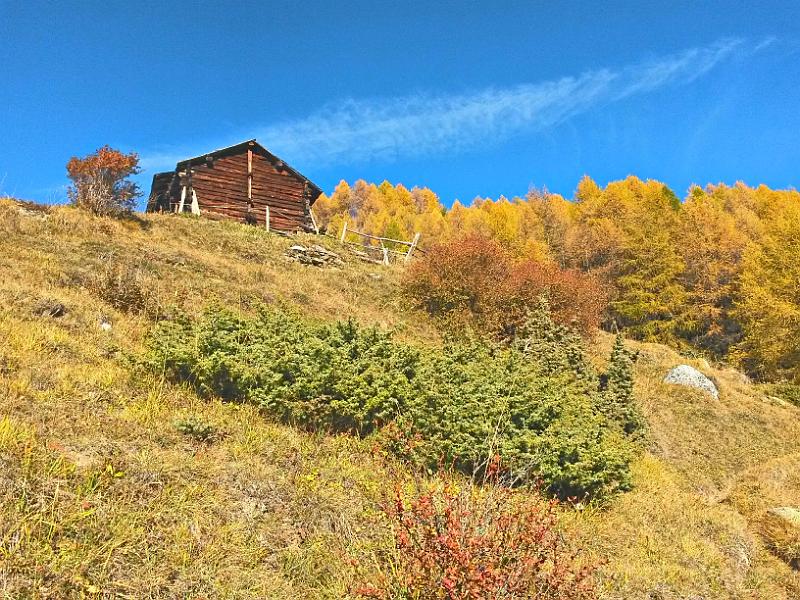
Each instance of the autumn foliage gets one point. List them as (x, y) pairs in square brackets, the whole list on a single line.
[(100, 181), (475, 280), (716, 272), (460, 541)]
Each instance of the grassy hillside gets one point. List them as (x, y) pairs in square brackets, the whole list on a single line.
[(103, 493)]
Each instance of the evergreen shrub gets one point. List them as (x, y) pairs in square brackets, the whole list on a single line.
[(460, 404)]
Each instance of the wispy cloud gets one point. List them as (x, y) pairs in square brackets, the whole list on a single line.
[(385, 129)]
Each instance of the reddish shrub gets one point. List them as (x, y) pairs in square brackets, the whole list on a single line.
[(476, 542), (576, 299), (465, 276), (476, 280), (100, 181)]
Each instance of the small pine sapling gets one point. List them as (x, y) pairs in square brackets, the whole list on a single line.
[(556, 348), (619, 403), (196, 429)]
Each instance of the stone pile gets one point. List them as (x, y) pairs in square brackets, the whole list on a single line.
[(50, 308), (363, 256), (314, 255)]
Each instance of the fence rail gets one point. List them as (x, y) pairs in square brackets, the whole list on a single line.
[(410, 244)]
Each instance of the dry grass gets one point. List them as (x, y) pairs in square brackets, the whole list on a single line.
[(692, 526), (102, 494)]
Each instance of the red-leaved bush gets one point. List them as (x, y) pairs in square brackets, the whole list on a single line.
[(476, 542), (576, 299), (474, 279), (100, 181)]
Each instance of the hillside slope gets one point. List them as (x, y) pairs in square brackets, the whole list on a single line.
[(102, 495)]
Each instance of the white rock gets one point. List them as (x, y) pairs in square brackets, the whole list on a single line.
[(790, 514), (689, 376), (105, 324)]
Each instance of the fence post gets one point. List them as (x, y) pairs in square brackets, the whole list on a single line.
[(344, 232), (266, 217), (411, 248)]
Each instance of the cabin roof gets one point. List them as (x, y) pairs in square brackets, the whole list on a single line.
[(245, 145)]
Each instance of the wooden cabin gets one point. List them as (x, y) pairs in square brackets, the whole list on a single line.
[(243, 182)]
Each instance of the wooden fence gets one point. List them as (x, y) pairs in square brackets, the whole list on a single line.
[(381, 246)]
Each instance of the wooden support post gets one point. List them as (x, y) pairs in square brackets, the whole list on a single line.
[(344, 232), (250, 218), (249, 177), (411, 248), (313, 221), (183, 200), (195, 203), (189, 187), (266, 216)]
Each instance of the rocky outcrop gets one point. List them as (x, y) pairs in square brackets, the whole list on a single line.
[(691, 377)]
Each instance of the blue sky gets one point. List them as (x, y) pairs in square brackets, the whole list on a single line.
[(466, 98)]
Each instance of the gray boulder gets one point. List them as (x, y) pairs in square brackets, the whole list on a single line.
[(689, 376)]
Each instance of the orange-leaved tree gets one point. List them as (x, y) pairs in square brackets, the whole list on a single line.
[(768, 304), (100, 181), (476, 281)]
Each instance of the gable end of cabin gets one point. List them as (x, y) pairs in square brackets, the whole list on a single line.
[(244, 182)]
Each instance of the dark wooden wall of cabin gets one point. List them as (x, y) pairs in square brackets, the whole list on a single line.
[(221, 187), (282, 191), (159, 199), (222, 191)]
